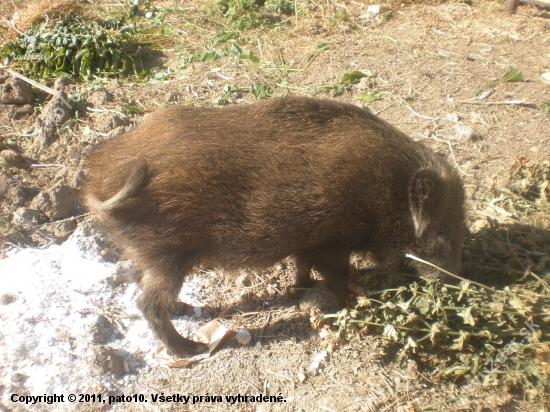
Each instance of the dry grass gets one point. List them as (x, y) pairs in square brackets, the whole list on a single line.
[(24, 14)]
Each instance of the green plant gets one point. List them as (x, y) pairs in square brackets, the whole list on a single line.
[(280, 6), (260, 91), (387, 16), (513, 75), (355, 75), (341, 14), (81, 49), (334, 89), (345, 83), (369, 97), (231, 49), (498, 333), (247, 14), (240, 14)]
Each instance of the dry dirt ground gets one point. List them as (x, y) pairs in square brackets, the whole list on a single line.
[(425, 60)]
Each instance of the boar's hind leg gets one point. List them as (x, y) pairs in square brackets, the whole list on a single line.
[(158, 304), (334, 267), (183, 309)]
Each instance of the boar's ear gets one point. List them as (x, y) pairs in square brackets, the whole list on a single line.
[(422, 198)]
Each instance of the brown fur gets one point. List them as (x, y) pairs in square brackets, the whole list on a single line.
[(247, 186)]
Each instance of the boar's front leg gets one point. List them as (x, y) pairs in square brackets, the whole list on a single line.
[(304, 264), (333, 265), (158, 304)]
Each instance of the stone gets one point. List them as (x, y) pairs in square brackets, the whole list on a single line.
[(15, 91), (101, 330), (55, 114), (170, 97), (57, 111), (105, 122), (63, 230), (105, 360), (7, 298), (16, 111), (100, 97), (56, 203), (62, 83), (26, 215), (12, 156), (124, 272), (11, 193)]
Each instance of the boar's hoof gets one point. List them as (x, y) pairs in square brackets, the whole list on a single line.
[(188, 348), (180, 346), (183, 309)]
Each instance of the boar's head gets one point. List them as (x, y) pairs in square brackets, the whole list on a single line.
[(436, 197)]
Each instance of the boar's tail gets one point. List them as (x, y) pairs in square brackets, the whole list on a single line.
[(136, 179)]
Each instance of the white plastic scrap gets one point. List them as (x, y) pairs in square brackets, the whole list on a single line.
[(485, 94), (320, 357)]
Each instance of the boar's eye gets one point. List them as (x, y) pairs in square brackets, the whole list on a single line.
[(442, 240)]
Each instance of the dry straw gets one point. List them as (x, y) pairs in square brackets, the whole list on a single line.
[(24, 15)]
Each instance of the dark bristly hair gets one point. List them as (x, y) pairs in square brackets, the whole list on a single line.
[(249, 185)]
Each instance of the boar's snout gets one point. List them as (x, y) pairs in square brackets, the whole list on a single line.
[(441, 250)]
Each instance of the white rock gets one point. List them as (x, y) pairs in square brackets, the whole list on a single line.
[(243, 337)]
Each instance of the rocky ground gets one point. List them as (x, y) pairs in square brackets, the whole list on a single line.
[(68, 315)]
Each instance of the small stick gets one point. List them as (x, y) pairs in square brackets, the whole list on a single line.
[(40, 86), (45, 165), (513, 252), (105, 110), (384, 108), (544, 284), (260, 48), (377, 392), (26, 222), (451, 274), (437, 139), (221, 76), (507, 103), (276, 374), (253, 286), (65, 220), (268, 318), (30, 81), (12, 245), (15, 127), (327, 409), (391, 405), (19, 134), (420, 115)]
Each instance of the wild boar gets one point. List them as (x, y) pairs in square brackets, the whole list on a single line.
[(249, 185)]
